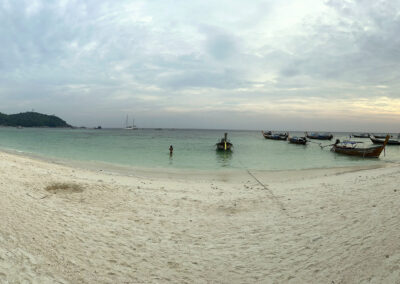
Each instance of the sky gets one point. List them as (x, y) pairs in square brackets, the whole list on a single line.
[(287, 65)]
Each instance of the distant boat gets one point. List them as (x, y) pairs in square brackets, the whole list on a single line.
[(350, 148), (319, 136), (275, 136), (98, 127), (130, 127), (297, 140), (224, 144), (360, 135), (381, 136), (376, 140)]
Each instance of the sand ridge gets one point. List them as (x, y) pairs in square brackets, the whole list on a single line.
[(326, 226)]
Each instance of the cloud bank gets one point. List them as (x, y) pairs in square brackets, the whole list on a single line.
[(265, 64)]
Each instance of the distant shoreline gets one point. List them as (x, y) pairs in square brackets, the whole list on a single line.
[(31, 119)]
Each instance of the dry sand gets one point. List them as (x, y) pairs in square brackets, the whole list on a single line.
[(63, 224)]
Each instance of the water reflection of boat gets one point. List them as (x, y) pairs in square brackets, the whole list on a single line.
[(224, 158)]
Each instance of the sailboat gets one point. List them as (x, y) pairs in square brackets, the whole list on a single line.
[(130, 127)]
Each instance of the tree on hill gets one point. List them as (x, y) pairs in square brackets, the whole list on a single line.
[(32, 119)]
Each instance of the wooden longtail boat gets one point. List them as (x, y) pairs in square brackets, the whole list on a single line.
[(224, 144), (380, 136), (350, 148), (320, 136), (361, 135), (297, 140), (275, 136), (381, 141)]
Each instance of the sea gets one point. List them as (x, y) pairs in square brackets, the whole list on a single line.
[(193, 149)]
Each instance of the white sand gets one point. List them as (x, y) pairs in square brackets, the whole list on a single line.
[(322, 226)]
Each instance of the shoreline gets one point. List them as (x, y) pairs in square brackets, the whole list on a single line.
[(71, 225), (179, 173)]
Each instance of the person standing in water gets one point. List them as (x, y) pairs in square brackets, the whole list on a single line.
[(171, 149)]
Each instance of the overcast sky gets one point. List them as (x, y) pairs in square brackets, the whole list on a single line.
[(310, 64)]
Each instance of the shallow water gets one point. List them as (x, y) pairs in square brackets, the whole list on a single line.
[(193, 149)]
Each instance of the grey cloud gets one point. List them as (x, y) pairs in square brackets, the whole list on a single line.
[(226, 79), (220, 44), (108, 55), (352, 51)]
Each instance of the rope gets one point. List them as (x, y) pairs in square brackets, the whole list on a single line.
[(277, 201), (318, 143)]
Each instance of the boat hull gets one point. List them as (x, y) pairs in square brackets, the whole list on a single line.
[(378, 136), (270, 136), (372, 152), (380, 141), (320, 137), (361, 135), (222, 146), (298, 141)]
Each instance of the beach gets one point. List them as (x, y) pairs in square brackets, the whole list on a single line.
[(62, 223)]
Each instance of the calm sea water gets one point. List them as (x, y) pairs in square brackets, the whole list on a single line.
[(193, 149)]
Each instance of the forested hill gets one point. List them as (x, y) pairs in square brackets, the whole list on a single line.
[(31, 119)]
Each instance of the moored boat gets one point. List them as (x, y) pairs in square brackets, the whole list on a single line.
[(130, 127), (297, 140), (224, 144), (319, 136), (275, 136), (350, 148), (376, 140), (360, 135), (380, 136)]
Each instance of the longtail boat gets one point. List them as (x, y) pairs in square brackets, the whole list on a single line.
[(320, 136), (275, 136), (297, 140), (350, 148), (381, 141), (224, 144), (360, 135), (380, 136)]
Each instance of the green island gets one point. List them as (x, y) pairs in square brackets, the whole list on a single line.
[(31, 119)]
